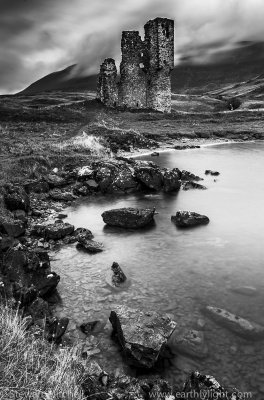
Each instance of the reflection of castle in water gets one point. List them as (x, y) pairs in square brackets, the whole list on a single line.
[(145, 69)]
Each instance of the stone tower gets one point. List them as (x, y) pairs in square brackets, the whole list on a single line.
[(107, 90), (132, 87), (145, 70), (159, 44)]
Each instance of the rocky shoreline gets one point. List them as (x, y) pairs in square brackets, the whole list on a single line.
[(34, 225)]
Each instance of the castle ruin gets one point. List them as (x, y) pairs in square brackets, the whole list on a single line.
[(145, 70)]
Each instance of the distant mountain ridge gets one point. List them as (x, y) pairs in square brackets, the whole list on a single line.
[(241, 64)]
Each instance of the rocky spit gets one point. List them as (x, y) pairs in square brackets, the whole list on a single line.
[(34, 226)]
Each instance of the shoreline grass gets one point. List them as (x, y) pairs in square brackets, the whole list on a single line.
[(31, 368)]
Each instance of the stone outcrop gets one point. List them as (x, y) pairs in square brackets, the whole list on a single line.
[(142, 335), (145, 69), (185, 219), (129, 217), (241, 326)]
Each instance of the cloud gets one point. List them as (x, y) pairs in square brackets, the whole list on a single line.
[(41, 36)]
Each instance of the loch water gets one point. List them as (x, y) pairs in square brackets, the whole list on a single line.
[(179, 271)]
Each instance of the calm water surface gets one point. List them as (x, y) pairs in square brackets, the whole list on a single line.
[(180, 271)]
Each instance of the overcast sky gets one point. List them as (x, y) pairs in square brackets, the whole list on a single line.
[(42, 36)]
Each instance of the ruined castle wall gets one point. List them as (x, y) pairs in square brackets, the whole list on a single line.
[(159, 43), (132, 86), (107, 89)]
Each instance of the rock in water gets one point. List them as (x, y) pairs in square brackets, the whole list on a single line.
[(150, 177), (210, 172), (129, 217), (189, 342), (90, 245), (185, 219), (240, 326), (142, 335), (171, 180), (187, 185), (118, 275)]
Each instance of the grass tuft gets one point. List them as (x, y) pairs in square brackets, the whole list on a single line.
[(31, 368)]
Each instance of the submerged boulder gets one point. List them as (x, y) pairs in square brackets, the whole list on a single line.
[(129, 217), (245, 290), (142, 335), (240, 326), (184, 219), (189, 342)]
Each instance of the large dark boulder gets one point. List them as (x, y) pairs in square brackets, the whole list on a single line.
[(125, 181), (150, 177), (14, 228), (115, 177), (47, 284), (129, 217), (16, 198), (28, 272), (171, 180), (142, 335), (185, 219)]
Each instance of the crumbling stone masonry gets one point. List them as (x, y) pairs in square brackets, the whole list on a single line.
[(145, 70), (107, 89)]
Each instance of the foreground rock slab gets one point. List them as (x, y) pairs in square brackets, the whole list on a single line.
[(129, 217), (185, 219), (91, 246), (142, 335), (240, 326)]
